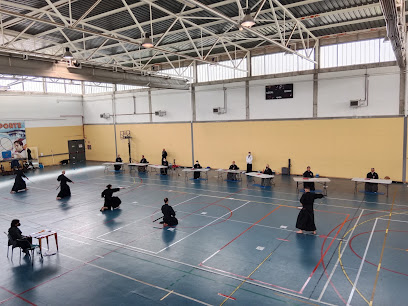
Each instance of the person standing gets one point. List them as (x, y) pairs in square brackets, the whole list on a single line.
[(249, 159), (110, 200), (19, 183), (164, 156), (305, 219), (65, 191), (308, 174), (370, 187), (118, 160), (197, 173), (169, 215)]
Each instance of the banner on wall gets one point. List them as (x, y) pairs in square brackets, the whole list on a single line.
[(13, 143)]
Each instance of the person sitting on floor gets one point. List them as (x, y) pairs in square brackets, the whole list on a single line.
[(17, 239)]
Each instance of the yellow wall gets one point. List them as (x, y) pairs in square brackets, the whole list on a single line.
[(53, 140), (102, 141), (147, 139), (337, 147), (150, 139)]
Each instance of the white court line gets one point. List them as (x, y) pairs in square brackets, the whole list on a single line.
[(203, 269), (338, 259), (211, 256), (137, 280), (145, 217), (74, 240), (291, 193), (128, 246), (361, 264), (208, 224)]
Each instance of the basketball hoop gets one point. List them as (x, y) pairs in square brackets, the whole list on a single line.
[(126, 135)]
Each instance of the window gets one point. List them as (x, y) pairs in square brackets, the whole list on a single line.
[(220, 71)]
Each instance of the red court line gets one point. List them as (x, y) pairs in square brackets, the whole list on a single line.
[(227, 196), (249, 228), (248, 278), (282, 239), (351, 248), (16, 295), (227, 296), (322, 257)]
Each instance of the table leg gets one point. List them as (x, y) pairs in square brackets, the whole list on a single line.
[(56, 240), (297, 187), (387, 190), (39, 242), (355, 188), (48, 245)]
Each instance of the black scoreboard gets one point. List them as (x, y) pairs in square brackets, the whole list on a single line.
[(279, 91)]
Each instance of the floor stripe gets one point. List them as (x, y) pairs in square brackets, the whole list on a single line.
[(361, 264), (338, 260), (382, 253), (166, 295), (228, 297)]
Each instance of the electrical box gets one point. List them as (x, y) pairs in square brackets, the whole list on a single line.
[(160, 113), (105, 116), (358, 103), (74, 64), (218, 110)]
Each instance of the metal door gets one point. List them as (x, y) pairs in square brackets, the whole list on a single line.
[(76, 150)]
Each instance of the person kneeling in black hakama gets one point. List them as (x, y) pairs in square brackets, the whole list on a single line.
[(169, 215), (110, 201), (305, 219)]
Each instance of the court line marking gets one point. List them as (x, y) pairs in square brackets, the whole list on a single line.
[(394, 220), (137, 280), (242, 232), (382, 252), (244, 281), (166, 295), (145, 217), (288, 294), (348, 200), (361, 264), (338, 259), (208, 224), (322, 257), (16, 295)]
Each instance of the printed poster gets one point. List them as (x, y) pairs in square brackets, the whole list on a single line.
[(13, 143)]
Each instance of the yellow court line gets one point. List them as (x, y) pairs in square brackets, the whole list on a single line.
[(382, 252), (166, 295), (339, 253), (235, 290)]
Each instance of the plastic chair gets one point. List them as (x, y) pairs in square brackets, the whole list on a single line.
[(14, 245)]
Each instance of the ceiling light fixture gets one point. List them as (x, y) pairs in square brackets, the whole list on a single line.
[(147, 41), (248, 20), (67, 54)]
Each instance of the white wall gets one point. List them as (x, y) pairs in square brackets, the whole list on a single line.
[(41, 110), (176, 103), (300, 106), (209, 97), (336, 89)]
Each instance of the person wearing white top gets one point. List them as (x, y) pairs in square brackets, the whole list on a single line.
[(249, 162)]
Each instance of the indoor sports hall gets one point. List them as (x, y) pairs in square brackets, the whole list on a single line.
[(202, 152)]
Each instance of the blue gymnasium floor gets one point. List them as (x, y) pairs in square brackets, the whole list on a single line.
[(234, 245)]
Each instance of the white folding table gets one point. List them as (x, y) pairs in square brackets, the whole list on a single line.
[(155, 167), (108, 165), (189, 170), (358, 180), (221, 171), (132, 166), (262, 176), (319, 180)]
